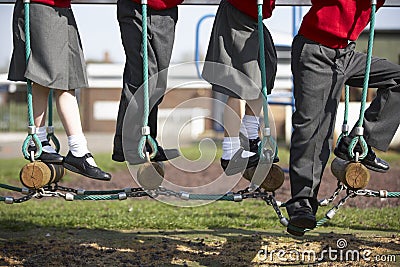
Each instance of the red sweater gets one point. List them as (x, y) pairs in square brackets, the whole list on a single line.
[(161, 4), (333, 23), (57, 3), (249, 7)]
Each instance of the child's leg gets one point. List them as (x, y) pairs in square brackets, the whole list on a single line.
[(232, 117), (40, 96), (68, 110), (231, 143), (251, 121), (79, 158)]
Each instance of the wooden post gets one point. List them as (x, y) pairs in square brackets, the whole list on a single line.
[(271, 182), (353, 174), (150, 175), (37, 174)]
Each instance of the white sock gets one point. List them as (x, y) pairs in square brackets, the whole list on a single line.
[(230, 145), (42, 135), (250, 126), (78, 147)]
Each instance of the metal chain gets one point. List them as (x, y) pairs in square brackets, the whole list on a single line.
[(272, 201), (46, 193), (162, 191), (252, 193), (367, 193), (332, 212), (25, 198), (340, 187), (61, 188), (137, 194)]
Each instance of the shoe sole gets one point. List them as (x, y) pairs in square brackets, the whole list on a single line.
[(117, 158), (52, 161), (347, 158), (374, 169), (306, 223), (233, 171), (293, 232), (138, 160), (170, 155), (76, 170), (301, 223)]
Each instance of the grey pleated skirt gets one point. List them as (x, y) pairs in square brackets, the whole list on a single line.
[(232, 60), (56, 60)]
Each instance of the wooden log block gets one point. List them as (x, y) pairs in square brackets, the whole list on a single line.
[(37, 174), (271, 182), (353, 174), (150, 175)]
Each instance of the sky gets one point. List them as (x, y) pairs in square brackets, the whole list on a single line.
[(99, 30)]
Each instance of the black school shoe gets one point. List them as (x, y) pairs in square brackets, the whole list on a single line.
[(81, 166), (238, 164), (53, 158), (162, 155), (371, 161), (301, 220), (252, 145)]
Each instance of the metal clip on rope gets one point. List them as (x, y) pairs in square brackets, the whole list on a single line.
[(359, 138), (146, 138), (51, 137), (35, 139)]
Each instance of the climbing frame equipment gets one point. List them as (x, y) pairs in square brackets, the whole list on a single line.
[(50, 188), (354, 174), (31, 128), (146, 137), (359, 130), (37, 174), (271, 175)]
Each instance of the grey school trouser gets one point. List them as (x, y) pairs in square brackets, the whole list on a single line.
[(160, 40), (319, 74)]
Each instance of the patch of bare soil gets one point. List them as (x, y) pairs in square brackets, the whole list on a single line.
[(222, 247), (213, 247)]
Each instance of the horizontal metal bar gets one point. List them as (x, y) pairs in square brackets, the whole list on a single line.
[(388, 3)]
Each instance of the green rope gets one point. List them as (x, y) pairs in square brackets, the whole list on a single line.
[(10, 187), (146, 137), (50, 129), (115, 195), (32, 131), (360, 138), (267, 138), (211, 197), (393, 195), (96, 197), (105, 192)]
